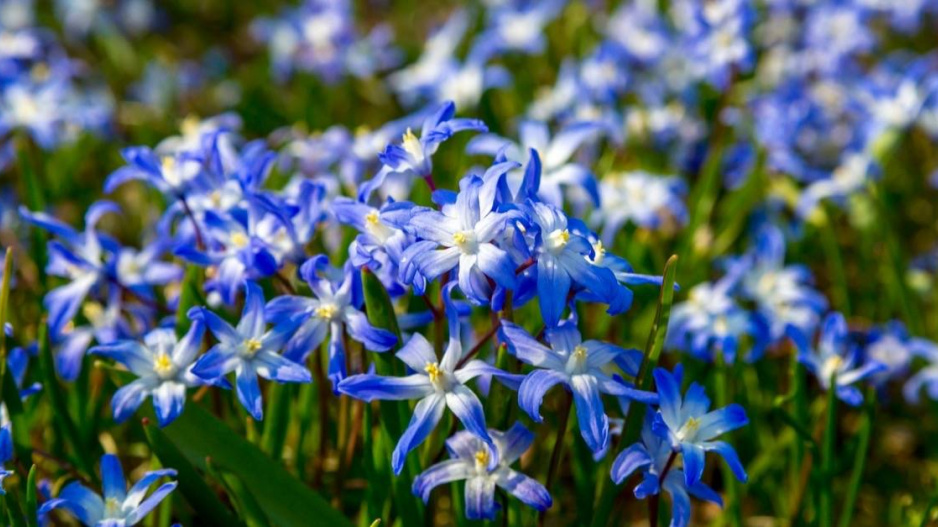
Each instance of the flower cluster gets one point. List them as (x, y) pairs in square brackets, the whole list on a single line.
[(468, 275)]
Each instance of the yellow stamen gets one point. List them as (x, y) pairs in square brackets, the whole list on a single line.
[(239, 240), (326, 311), (482, 459), (189, 125), (252, 346), (372, 218), (162, 364), (168, 164), (112, 506), (558, 239), (411, 145), (433, 371)]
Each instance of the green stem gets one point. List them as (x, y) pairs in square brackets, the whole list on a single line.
[(838, 277), (826, 494), (859, 462), (278, 414), (733, 509), (558, 448)]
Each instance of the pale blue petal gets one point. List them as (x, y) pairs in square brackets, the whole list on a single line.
[(368, 387), (532, 390), (427, 414)]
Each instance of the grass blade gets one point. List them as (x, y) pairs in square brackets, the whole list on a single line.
[(200, 496), (606, 491), (287, 502)]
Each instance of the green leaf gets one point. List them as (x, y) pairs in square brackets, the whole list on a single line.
[(287, 502), (189, 296), (32, 518), (278, 419), (34, 199), (9, 393), (606, 490), (200, 496), (247, 506)]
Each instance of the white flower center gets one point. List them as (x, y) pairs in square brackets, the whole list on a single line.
[(412, 146), (251, 347), (239, 240), (163, 365), (466, 241), (327, 311), (558, 239)]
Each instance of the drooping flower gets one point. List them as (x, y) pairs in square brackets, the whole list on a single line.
[(117, 506), (471, 460), (580, 367), (249, 350)]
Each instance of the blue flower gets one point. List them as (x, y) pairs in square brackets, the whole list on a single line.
[(719, 42), (851, 177), (892, 346), (835, 354), (472, 461), (336, 309), (163, 366), (413, 157), (655, 459), (249, 350), (689, 426), (466, 231), (890, 342), (118, 506), (437, 383), (579, 366), (520, 26), (562, 262), (6, 452), (381, 241)]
